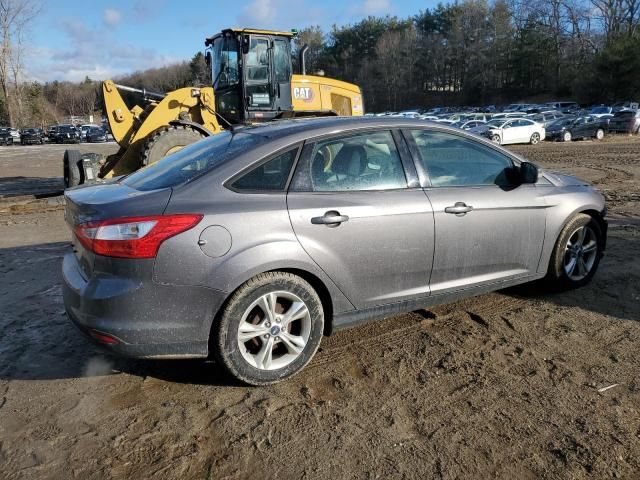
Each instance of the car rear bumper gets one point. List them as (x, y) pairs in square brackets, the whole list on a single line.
[(144, 319)]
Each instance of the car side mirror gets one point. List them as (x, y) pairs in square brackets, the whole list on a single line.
[(528, 172)]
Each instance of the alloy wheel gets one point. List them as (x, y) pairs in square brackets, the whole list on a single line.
[(580, 253), (535, 138), (274, 330)]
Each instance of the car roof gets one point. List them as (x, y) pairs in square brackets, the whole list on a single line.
[(307, 127)]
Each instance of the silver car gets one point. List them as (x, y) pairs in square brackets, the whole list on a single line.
[(250, 245)]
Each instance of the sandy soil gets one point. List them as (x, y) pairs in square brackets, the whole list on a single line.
[(505, 385)]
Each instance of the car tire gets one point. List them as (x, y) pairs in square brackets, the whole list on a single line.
[(268, 353), (535, 138), (71, 170), (566, 136), (496, 139), (599, 134), (575, 257)]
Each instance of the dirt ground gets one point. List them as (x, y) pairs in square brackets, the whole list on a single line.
[(505, 385)]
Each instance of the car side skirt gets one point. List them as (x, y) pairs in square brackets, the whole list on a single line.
[(356, 317)]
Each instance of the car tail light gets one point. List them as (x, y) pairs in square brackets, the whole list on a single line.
[(133, 237), (103, 338)]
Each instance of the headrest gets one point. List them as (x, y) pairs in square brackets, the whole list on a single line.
[(351, 160)]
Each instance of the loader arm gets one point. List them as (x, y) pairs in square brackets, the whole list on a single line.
[(121, 119)]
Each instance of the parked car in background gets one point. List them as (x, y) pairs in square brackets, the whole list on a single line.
[(577, 128), (6, 137), (84, 129), (628, 105), (514, 130), (165, 261), (31, 136), (625, 121), (66, 134), (95, 135), (600, 111), (516, 107), (547, 117), (467, 124), (507, 115), (564, 107)]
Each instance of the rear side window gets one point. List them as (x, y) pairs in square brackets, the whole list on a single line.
[(271, 175), (452, 161)]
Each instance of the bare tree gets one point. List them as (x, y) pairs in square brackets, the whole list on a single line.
[(15, 16)]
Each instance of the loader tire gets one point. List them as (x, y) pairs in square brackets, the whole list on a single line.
[(71, 169), (167, 140)]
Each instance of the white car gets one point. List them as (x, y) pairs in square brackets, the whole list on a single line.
[(515, 130)]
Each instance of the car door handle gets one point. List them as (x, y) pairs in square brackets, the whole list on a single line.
[(331, 218), (459, 209)]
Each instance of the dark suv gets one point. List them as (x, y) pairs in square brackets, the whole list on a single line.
[(625, 121), (31, 136), (5, 136), (66, 134)]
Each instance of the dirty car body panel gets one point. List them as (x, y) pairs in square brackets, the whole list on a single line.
[(361, 209)]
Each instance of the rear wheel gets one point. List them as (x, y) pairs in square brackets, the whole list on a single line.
[(567, 136), (270, 329), (166, 141), (576, 254), (535, 138)]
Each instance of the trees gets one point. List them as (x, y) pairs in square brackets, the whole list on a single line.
[(15, 16)]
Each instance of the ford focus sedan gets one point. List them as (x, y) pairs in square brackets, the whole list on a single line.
[(249, 246)]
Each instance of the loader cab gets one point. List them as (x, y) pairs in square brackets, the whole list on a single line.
[(251, 71)]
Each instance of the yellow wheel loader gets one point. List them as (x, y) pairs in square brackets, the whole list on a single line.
[(252, 82)]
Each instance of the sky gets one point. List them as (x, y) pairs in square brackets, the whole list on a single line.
[(69, 40)]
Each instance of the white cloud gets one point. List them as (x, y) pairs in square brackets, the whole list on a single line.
[(280, 14), (372, 7), (81, 58), (111, 17)]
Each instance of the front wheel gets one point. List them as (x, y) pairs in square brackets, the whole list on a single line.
[(576, 254), (600, 134), (567, 136), (535, 138), (270, 329), (496, 139)]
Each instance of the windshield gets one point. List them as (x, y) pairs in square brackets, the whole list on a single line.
[(600, 110), (625, 114), (192, 161), (225, 62), (562, 122), (496, 123)]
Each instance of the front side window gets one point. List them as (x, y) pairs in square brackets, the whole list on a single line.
[(452, 161), (271, 175), (364, 161), (225, 62)]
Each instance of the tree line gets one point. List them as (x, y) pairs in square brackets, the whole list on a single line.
[(479, 52), (469, 52)]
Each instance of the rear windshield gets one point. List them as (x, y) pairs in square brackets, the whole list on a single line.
[(192, 161)]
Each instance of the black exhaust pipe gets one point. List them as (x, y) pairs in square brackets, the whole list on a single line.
[(303, 65)]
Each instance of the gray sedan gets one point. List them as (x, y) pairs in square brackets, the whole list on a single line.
[(249, 245)]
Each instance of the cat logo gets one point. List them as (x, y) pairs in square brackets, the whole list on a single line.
[(303, 93)]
